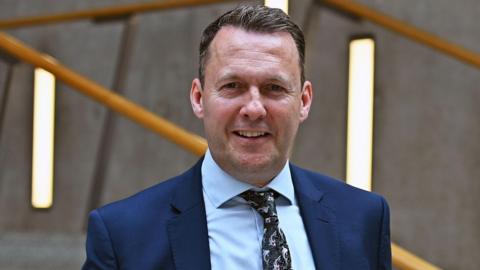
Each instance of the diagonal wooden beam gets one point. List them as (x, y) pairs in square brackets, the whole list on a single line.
[(348, 6), (129, 109), (406, 30), (116, 11), (403, 259)]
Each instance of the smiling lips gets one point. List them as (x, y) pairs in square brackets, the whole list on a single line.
[(251, 134)]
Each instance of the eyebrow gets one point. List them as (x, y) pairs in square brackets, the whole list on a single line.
[(280, 78), (228, 75)]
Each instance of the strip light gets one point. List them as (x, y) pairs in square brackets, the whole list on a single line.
[(43, 132), (360, 113), (281, 4)]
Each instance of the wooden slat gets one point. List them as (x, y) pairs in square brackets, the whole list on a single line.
[(403, 259), (172, 132), (116, 11), (406, 30), (348, 6)]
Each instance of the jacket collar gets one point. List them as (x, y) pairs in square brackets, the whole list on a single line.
[(318, 218), (187, 231)]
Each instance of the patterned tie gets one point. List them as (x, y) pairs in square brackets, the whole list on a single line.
[(275, 253)]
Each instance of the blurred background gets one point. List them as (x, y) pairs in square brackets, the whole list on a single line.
[(426, 118)]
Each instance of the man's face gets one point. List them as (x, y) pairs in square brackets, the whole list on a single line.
[(252, 102)]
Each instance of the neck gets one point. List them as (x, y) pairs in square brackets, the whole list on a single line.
[(258, 178)]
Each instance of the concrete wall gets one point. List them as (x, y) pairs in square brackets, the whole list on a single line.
[(426, 122), (426, 146)]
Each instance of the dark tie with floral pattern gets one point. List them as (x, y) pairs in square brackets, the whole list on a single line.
[(275, 253)]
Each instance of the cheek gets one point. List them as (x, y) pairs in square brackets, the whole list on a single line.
[(286, 120), (221, 108), (287, 111), (217, 115)]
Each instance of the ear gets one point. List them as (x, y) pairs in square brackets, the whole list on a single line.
[(196, 98), (306, 100)]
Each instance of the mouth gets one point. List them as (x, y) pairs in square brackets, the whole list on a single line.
[(251, 134)]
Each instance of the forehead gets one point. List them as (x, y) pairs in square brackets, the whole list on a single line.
[(230, 38), (234, 46)]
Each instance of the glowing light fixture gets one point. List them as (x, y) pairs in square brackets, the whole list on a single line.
[(43, 132), (281, 4), (360, 113)]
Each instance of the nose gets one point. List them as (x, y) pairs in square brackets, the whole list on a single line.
[(253, 108)]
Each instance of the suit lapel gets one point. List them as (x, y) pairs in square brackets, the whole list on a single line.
[(319, 221), (187, 232)]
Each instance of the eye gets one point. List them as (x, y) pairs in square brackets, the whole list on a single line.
[(274, 88), (231, 89), (231, 85)]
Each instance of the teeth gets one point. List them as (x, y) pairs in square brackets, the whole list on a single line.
[(251, 133)]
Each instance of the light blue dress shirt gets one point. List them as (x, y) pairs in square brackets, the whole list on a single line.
[(235, 229)]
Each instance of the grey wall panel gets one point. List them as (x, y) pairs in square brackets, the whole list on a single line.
[(6, 74), (426, 151), (321, 140), (90, 51), (20, 251), (82, 118), (427, 134), (14, 9), (426, 131), (455, 21), (3, 76), (16, 153)]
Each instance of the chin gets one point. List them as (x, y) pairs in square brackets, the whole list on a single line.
[(259, 164), (255, 160)]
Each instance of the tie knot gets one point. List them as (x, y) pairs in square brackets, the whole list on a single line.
[(264, 203)]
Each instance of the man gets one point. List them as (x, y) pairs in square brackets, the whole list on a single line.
[(244, 206)]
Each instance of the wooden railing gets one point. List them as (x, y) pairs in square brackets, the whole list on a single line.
[(402, 259), (406, 30), (169, 130), (350, 7), (107, 12)]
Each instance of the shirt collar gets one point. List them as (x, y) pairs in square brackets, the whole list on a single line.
[(221, 187)]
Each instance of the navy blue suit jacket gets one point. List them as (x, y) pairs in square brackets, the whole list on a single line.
[(164, 227)]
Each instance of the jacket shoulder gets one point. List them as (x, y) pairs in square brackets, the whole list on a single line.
[(337, 193), (155, 198)]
